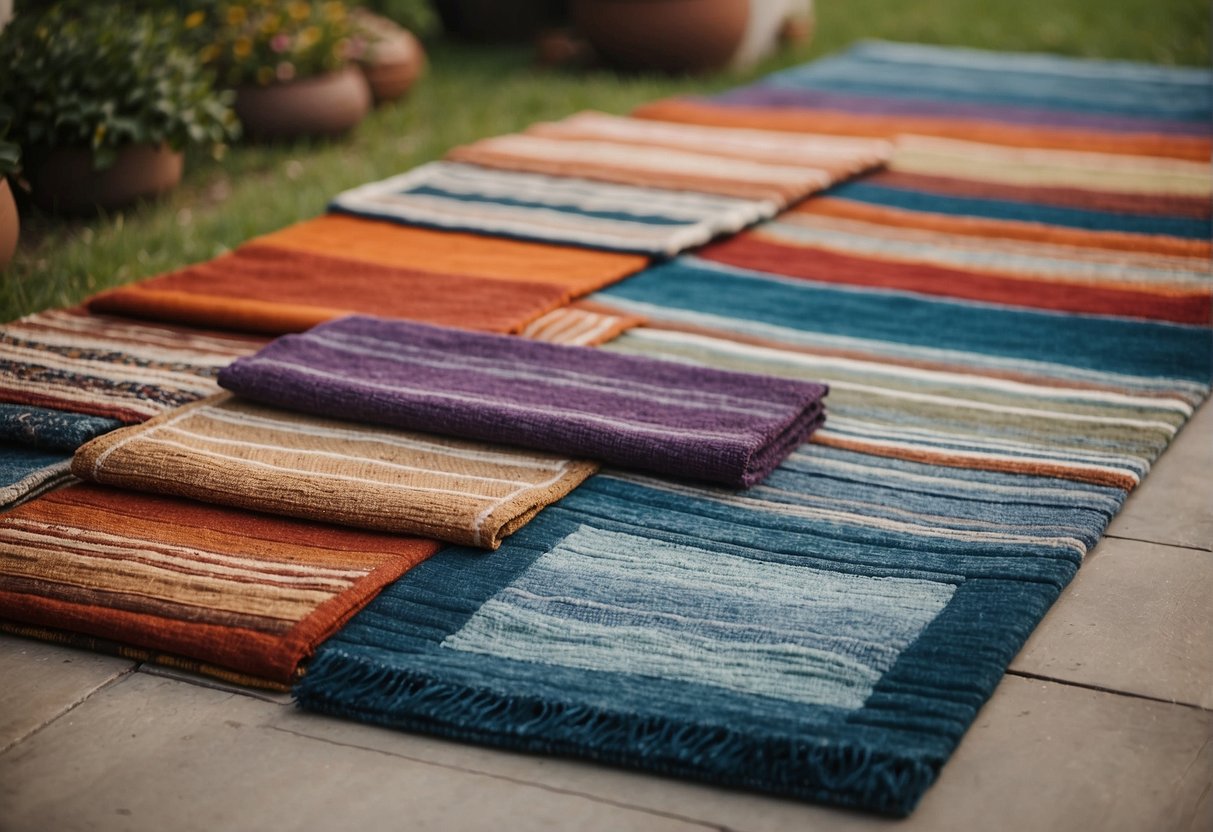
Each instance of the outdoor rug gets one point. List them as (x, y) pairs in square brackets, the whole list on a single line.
[(831, 633), (329, 267), (773, 167), (244, 591), (658, 416), (36, 445), (238, 453), (562, 209), (112, 367), (1026, 100)]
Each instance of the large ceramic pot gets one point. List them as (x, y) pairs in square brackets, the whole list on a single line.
[(396, 64), (500, 20), (665, 35), (322, 105), (9, 224), (63, 179)]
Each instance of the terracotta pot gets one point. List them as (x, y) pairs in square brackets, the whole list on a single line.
[(666, 35), (322, 105), (9, 224), (499, 20), (64, 180), (397, 64)]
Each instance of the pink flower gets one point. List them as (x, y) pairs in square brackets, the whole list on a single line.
[(280, 42), (286, 71)]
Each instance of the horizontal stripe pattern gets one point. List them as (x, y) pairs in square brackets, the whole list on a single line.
[(722, 427), (248, 456), (72, 360), (768, 167), (546, 208), (242, 591)]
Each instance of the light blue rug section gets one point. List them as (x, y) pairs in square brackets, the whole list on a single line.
[(630, 604), (772, 639)]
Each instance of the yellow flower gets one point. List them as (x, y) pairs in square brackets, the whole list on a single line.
[(307, 37), (236, 15), (334, 10), (209, 53), (264, 75), (270, 24), (242, 47), (299, 10), (99, 134), (194, 19)]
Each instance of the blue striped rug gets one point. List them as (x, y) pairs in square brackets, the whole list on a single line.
[(831, 634)]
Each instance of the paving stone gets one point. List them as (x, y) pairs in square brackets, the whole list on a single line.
[(1042, 756), (1137, 618), (39, 681), (151, 753), (1175, 503)]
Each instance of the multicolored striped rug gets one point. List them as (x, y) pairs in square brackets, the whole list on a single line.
[(233, 452), (244, 591), (325, 268), (1010, 343), (561, 209), (772, 167)]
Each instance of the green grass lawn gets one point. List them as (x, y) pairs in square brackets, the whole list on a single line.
[(473, 92)]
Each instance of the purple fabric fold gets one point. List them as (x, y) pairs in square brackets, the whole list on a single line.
[(658, 416)]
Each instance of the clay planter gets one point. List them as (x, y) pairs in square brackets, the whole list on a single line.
[(397, 63), (64, 180), (665, 35), (9, 225), (497, 21), (322, 105)]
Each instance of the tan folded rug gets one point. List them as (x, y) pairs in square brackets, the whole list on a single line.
[(229, 451)]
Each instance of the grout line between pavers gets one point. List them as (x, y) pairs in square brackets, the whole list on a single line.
[(113, 680), (1102, 689), (515, 780), (1160, 543)]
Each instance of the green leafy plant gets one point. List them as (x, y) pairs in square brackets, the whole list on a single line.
[(263, 41), (86, 76), (10, 153), (418, 16)]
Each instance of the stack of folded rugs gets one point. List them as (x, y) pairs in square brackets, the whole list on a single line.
[(569, 348)]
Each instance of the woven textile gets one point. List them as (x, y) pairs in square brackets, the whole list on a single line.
[(110, 367), (772, 167), (329, 267), (1010, 343), (26, 472), (1035, 101), (244, 591), (561, 209), (237, 453), (657, 416)]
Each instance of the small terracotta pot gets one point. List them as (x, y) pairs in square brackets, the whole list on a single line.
[(322, 105), (397, 64), (665, 35), (64, 180), (10, 226)]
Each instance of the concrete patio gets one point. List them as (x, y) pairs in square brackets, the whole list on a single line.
[(1104, 722)]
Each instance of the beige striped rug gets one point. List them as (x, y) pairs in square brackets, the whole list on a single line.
[(232, 452)]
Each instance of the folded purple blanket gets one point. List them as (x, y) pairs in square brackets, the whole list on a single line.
[(658, 416)]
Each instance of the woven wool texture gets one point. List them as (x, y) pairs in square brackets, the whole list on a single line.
[(729, 428), (1011, 339), (248, 592), (26, 472), (767, 166), (562, 209), (223, 450), (1032, 101), (111, 367), (329, 267)]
